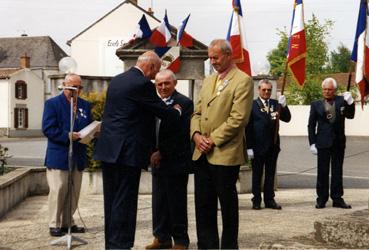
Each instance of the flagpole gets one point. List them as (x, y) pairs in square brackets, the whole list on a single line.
[(350, 75)]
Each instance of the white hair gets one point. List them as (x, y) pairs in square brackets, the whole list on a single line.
[(329, 80), (264, 81), (167, 72)]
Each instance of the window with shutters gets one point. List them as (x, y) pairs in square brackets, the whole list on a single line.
[(21, 118), (20, 89)]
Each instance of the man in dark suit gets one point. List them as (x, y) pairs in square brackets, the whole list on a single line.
[(125, 143), (262, 140), (170, 168), (56, 127), (327, 139)]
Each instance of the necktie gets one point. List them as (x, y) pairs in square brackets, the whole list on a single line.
[(267, 105)]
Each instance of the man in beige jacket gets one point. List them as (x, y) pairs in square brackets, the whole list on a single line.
[(217, 128)]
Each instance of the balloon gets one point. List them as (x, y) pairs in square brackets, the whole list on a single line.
[(68, 65)]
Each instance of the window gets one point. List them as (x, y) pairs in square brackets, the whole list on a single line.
[(20, 90), (20, 118)]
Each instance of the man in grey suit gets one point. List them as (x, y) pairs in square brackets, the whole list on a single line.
[(327, 139)]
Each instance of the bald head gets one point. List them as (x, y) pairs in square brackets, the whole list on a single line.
[(150, 63), (72, 80)]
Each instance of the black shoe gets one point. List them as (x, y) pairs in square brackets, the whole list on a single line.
[(273, 205), (256, 206), (320, 205), (74, 229), (56, 231), (341, 204)]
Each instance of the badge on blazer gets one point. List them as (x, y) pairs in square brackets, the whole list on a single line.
[(222, 86), (82, 113)]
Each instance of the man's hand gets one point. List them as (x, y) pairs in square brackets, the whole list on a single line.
[(203, 144), (155, 159), (250, 153), (282, 101), (313, 149), (348, 98), (75, 136)]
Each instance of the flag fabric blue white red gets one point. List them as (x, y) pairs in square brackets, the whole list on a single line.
[(161, 35), (143, 29), (360, 52), (296, 58), (183, 38), (236, 36), (169, 57)]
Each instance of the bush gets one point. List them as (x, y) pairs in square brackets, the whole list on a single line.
[(97, 101)]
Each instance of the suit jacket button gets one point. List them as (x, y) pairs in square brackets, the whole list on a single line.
[(206, 118)]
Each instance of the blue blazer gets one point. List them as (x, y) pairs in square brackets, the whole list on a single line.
[(174, 142), (129, 120), (56, 127), (324, 134), (260, 130)]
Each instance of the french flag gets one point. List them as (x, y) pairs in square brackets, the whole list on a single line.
[(143, 29), (183, 38), (161, 35), (360, 52), (169, 58), (296, 58), (236, 36)]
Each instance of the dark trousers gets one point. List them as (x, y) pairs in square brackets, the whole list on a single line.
[(169, 208), (213, 182), (120, 185), (269, 162), (330, 157)]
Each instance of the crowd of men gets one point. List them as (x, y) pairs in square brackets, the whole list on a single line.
[(154, 125)]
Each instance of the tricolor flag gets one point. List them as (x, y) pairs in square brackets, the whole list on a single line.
[(143, 29), (296, 58), (360, 52), (236, 36), (169, 58), (183, 38), (161, 35)]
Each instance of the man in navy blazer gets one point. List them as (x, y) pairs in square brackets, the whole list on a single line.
[(327, 139), (125, 143), (171, 164), (263, 144), (56, 127)]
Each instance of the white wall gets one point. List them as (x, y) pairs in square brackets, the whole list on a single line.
[(4, 103), (359, 126), (94, 50), (34, 101)]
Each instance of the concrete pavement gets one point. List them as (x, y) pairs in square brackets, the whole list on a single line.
[(292, 227)]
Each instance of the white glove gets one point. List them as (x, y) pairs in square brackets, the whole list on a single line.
[(348, 98), (250, 153), (282, 101), (313, 149)]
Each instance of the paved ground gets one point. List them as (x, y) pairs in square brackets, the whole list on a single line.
[(26, 227)]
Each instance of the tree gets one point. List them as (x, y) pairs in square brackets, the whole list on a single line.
[(339, 60), (316, 61)]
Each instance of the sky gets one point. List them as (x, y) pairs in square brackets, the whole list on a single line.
[(63, 19)]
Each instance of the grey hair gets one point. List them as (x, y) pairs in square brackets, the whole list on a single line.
[(148, 57), (266, 81), (223, 44), (330, 79), (70, 77), (167, 72)]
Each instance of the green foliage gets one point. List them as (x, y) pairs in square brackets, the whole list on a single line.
[(97, 101), (339, 60), (4, 155), (316, 60)]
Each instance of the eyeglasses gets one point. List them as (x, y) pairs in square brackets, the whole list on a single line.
[(266, 90), (78, 87)]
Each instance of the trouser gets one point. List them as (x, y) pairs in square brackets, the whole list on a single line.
[(58, 200), (213, 182), (120, 184), (269, 161), (330, 158), (169, 208)]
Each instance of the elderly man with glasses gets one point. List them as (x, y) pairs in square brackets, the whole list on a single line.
[(263, 142)]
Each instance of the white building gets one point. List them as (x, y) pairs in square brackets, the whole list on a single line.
[(21, 102), (95, 47)]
